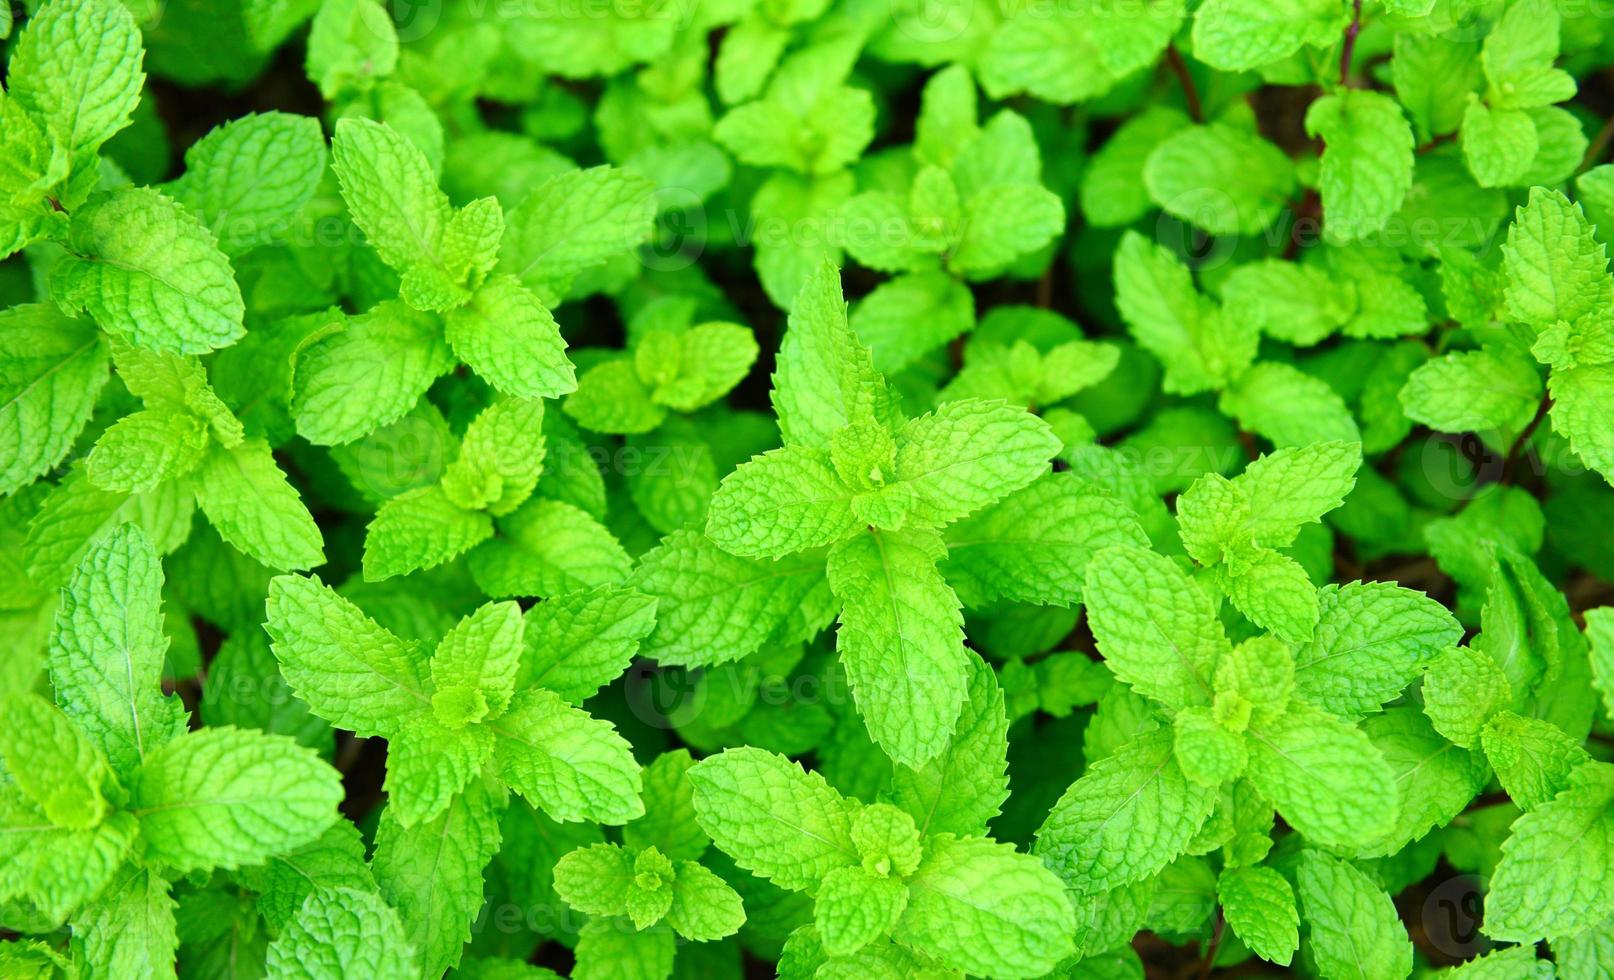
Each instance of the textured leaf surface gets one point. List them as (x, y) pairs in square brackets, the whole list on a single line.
[(168, 288), (901, 642), (1351, 923), (1128, 816), (342, 932), (350, 670), (566, 763), (1372, 638), (1325, 777), (51, 369), (1156, 629), (106, 655), (772, 818), (251, 504), (983, 908), (432, 873), (225, 797)]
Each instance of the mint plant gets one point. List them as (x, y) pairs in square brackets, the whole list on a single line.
[(109, 799), (832, 490)]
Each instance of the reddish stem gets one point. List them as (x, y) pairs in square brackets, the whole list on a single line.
[(1349, 49), (1179, 67)]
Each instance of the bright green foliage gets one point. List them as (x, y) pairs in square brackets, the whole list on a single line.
[(451, 715), (673, 367), (109, 800), (1353, 929), (1234, 527), (169, 289), (1366, 167), (874, 874), (647, 887), (864, 490)]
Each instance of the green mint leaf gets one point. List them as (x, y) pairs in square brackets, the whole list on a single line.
[(54, 764), (1372, 638), (506, 335), (940, 307), (993, 555), (51, 369), (1131, 814), (1533, 759), (669, 823), (366, 372), (964, 787), (1462, 689), (1325, 776), (788, 826), (575, 222), (342, 931), (1367, 160), (168, 289), (1351, 924), (432, 756), (953, 914), (1580, 397), (900, 641), (1535, 892), (349, 669), (146, 448), (248, 179), (482, 653), (1134, 599), (432, 873), (76, 70), (1260, 909), (1517, 58), (1219, 177), (824, 379), (1435, 780), (853, 908), (392, 192), (351, 43), (106, 651), (704, 908), (609, 948), (333, 862), (713, 607), (58, 869), (545, 548), (1288, 406), (1498, 144), (576, 643), (1199, 348), (1495, 390), (565, 762), (1600, 639), (1237, 35), (250, 503), (784, 501), (225, 797), (1299, 304), (129, 928), (420, 528), (596, 879), (610, 397), (968, 454), (1433, 77)]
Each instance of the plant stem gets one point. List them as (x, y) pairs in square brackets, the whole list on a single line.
[(1209, 962), (1349, 49), (1598, 145), (1516, 451), (1196, 110)]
